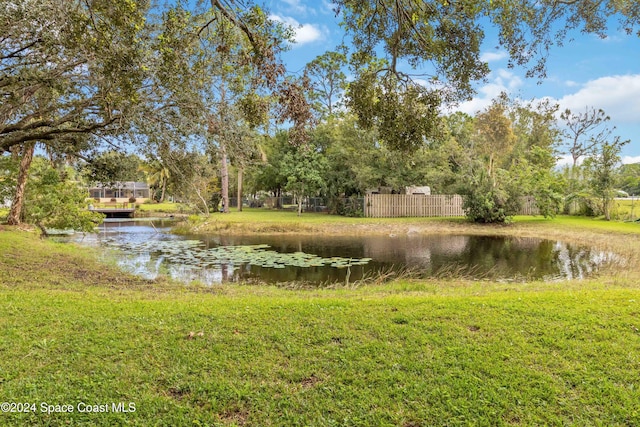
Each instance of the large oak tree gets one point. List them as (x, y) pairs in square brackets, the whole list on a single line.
[(411, 56)]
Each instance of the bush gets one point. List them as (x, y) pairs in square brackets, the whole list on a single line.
[(488, 203), (52, 202), (216, 198), (352, 207)]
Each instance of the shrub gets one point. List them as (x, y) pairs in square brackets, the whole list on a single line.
[(488, 202), (352, 207)]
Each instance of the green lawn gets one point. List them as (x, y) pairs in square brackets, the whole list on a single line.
[(166, 207), (626, 210), (441, 352)]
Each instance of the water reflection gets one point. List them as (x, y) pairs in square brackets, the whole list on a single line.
[(490, 257)]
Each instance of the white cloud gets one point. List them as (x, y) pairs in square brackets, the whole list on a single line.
[(630, 159), (295, 6), (617, 95), (494, 56), (500, 81), (303, 33), (566, 160), (307, 33)]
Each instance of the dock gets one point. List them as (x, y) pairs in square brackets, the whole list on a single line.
[(114, 210)]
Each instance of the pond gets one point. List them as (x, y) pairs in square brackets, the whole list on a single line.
[(148, 248)]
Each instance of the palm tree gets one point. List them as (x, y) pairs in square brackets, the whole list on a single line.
[(157, 175)]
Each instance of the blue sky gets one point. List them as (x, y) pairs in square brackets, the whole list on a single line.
[(586, 72)]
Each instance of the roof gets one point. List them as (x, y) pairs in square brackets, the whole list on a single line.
[(128, 185)]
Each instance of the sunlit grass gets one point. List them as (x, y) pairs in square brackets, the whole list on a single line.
[(165, 207), (626, 210)]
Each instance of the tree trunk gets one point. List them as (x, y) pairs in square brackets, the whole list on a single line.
[(205, 205), (300, 199), (224, 176), (43, 230), (15, 214), (240, 189), (164, 189)]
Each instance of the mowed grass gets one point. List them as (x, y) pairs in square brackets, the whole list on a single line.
[(165, 207), (406, 353), (627, 209)]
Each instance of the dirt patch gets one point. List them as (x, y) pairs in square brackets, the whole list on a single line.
[(310, 381), (237, 416)]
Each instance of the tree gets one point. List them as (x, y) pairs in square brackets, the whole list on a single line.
[(495, 137), (8, 173), (439, 42), (349, 154), (15, 213), (69, 68), (534, 155), (77, 74), (234, 107), (268, 175), (404, 113), (157, 175), (112, 166), (193, 179), (304, 169), (582, 133), (602, 167), (630, 178), (358, 161), (328, 81), (53, 202), (509, 155)]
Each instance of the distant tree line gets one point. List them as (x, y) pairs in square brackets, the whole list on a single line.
[(199, 93)]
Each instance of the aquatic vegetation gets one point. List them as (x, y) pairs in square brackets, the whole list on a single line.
[(194, 253)]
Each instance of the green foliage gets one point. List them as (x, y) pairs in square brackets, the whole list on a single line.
[(52, 202), (601, 168), (351, 207), (485, 202), (267, 175), (349, 153), (50, 101), (403, 113), (440, 42), (254, 109), (157, 176), (630, 178), (510, 156), (112, 166), (328, 81), (193, 180), (8, 173), (304, 169)]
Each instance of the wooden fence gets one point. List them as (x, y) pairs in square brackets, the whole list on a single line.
[(404, 205)]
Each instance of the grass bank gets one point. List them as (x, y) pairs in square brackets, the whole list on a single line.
[(434, 353)]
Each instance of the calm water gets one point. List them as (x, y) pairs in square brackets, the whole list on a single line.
[(149, 249)]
